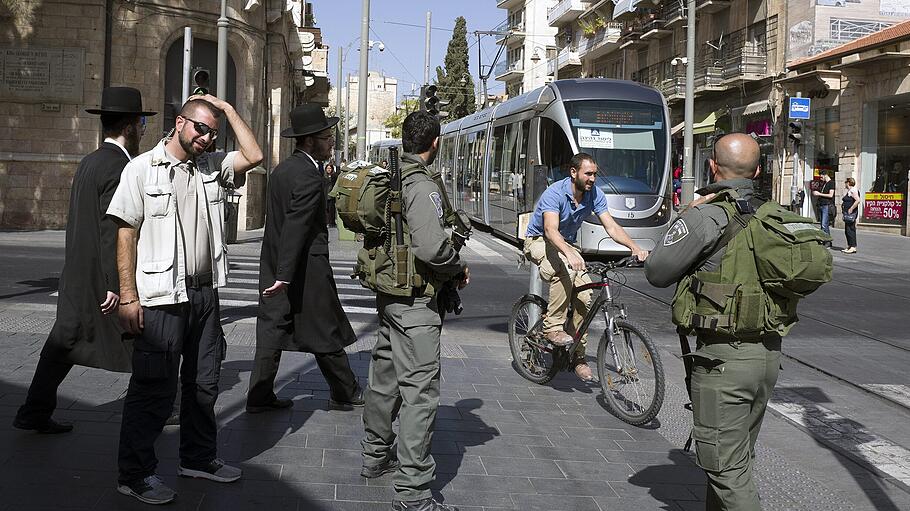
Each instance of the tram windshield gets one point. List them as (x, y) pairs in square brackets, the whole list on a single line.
[(627, 140)]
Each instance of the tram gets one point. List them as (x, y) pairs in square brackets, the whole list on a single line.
[(498, 161), (379, 150)]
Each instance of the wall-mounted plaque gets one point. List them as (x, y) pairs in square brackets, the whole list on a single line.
[(42, 74)]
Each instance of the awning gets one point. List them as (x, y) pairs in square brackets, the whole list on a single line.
[(757, 107), (676, 129), (706, 125), (624, 8)]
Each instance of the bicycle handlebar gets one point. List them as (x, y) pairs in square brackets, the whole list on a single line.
[(626, 262)]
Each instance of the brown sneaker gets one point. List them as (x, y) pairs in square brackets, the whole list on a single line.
[(559, 338), (583, 370)]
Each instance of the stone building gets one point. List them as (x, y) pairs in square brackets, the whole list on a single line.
[(859, 120), (382, 92), (530, 39), (58, 57)]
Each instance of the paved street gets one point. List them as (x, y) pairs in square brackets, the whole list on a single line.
[(836, 437)]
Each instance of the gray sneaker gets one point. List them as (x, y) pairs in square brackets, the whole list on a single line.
[(150, 490), (215, 471)]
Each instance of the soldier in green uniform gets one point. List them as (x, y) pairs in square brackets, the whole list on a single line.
[(732, 377), (404, 371)]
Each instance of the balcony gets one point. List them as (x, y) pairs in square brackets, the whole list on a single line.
[(748, 50), (670, 80), (674, 13), (565, 11), (602, 42), (566, 58), (508, 4), (507, 71), (711, 6), (653, 27), (516, 34), (631, 35)]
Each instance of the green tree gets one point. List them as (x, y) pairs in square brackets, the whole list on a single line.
[(454, 81), (397, 119)]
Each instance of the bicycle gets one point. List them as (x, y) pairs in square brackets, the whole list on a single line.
[(628, 364)]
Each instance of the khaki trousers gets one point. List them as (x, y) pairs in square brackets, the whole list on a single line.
[(555, 270)]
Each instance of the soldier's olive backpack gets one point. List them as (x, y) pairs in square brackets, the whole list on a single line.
[(361, 196), (773, 259)]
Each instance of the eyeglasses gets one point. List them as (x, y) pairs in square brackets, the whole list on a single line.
[(203, 128), (326, 137)]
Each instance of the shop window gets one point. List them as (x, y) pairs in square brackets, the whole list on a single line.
[(885, 199)]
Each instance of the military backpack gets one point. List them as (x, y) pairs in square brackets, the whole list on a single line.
[(773, 259)]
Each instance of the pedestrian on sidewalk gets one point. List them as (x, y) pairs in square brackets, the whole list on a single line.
[(331, 176), (404, 370), (171, 260), (86, 331), (299, 309), (850, 207), (825, 202), (732, 376)]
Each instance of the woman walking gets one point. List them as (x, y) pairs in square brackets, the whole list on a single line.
[(849, 206)]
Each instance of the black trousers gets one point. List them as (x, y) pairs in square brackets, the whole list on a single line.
[(192, 331), (42, 393), (335, 367), (850, 233)]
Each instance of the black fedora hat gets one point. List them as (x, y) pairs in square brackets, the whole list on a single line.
[(120, 100), (307, 119)]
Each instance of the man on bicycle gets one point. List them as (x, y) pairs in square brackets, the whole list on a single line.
[(560, 211)]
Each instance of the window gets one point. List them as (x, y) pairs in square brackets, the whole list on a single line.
[(555, 151)]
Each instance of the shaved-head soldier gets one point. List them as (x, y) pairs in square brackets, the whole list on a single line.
[(732, 374)]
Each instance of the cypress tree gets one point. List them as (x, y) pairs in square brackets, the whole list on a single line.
[(449, 80)]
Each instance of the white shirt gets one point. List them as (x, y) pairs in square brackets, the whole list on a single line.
[(118, 144)]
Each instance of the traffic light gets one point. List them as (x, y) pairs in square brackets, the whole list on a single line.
[(428, 100), (201, 79), (796, 132)]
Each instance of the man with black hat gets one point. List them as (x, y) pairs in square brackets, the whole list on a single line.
[(299, 308), (86, 331), (171, 260)]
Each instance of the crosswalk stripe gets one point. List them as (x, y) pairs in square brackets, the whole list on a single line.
[(349, 309)]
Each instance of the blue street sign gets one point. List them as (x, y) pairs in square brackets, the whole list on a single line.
[(799, 108)]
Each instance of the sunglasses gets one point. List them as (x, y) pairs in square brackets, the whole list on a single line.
[(203, 128)]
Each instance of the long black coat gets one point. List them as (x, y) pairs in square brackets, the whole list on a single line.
[(295, 249), (82, 334)]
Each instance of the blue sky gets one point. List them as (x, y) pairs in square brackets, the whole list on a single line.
[(390, 22)]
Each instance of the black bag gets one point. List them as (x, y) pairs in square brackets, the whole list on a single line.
[(850, 217), (832, 213)]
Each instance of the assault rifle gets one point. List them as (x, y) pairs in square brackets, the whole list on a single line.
[(448, 297)]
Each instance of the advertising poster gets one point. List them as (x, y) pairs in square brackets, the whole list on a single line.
[(883, 207)]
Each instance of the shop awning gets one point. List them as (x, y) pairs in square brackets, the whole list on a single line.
[(624, 8), (706, 125), (757, 107), (676, 129)]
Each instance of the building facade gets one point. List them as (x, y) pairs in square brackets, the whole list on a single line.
[(382, 92), (57, 59), (529, 42), (859, 120)]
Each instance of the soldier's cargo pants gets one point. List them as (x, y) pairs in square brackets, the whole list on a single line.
[(404, 382), (553, 269), (731, 385)]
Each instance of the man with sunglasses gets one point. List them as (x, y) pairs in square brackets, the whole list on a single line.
[(86, 331), (171, 260), (299, 309)]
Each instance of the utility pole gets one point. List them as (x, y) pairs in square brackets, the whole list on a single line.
[(688, 178), (426, 52), (338, 106), (347, 118), (187, 62), (362, 87), (484, 76), (221, 84)]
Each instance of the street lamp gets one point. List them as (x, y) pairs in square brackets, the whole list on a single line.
[(535, 57)]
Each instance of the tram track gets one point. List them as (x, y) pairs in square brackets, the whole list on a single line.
[(801, 360)]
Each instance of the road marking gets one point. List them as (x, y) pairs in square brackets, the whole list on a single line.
[(848, 436), (481, 249), (897, 393), (349, 309)]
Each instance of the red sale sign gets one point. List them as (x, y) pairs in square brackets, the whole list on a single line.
[(883, 206)]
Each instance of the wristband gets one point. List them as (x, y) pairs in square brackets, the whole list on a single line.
[(128, 302)]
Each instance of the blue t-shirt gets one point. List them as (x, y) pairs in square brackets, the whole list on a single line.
[(558, 197)]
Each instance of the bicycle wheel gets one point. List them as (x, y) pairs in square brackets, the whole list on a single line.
[(532, 356), (631, 374)]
